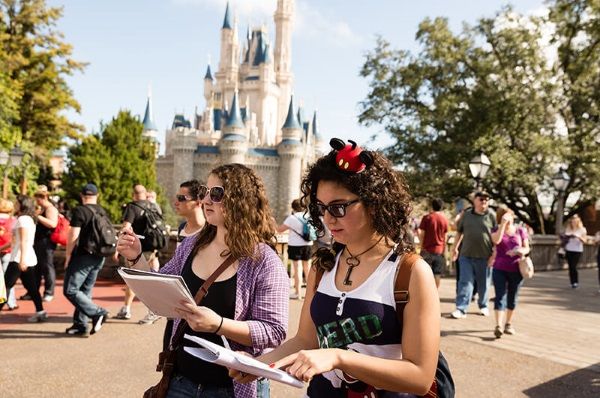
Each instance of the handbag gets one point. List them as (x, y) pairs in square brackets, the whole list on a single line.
[(526, 267), (166, 359)]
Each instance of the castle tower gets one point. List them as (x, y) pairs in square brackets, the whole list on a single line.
[(321, 147), (234, 144), (227, 75), (208, 86), (184, 144), (150, 131), (290, 151), (283, 53)]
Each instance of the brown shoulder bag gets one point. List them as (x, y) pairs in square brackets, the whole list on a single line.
[(166, 359)]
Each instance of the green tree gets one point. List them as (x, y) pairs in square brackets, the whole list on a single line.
[(115, 159), (37, 61), (492, 88)]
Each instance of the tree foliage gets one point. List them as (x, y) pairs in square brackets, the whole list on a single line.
[(115, 159), (522, 89), (35, 62)]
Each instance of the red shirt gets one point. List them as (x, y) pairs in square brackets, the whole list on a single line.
[(434, 225)]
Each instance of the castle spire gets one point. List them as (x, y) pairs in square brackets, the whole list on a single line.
[(208, 75), (234, 119), (315, 129), (148, 122), (227, 20), (291, 122)]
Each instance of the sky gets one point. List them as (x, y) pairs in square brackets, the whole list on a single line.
[(131, 45)]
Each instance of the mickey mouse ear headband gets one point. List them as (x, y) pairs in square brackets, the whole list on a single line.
[(350, 157)]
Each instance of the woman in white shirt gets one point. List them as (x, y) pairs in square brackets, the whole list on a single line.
[(576, 233), (22, 258)]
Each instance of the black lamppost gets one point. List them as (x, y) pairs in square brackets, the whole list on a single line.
[(561, 181), (14, 158), (479, 167)]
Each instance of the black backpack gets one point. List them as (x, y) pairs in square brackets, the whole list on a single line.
[(155, 234), (102, 238)]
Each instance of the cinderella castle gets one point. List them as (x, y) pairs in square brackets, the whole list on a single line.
[(250, 116)]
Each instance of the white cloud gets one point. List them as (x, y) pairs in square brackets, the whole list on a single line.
[(310, 23)]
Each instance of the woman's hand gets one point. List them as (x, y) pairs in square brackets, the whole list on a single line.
[(200, 319), (128, 244), (22, 266), (305, 364)]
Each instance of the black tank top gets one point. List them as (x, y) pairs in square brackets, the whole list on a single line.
[(221, 299)]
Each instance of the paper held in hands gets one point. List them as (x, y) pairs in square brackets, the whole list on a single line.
[(160, 293), (231, 359)]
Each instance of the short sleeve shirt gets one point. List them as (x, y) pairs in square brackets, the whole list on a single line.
[(29, 258), (81, 218), (133, 215), (435, 226), (295, 224), (476, 230)]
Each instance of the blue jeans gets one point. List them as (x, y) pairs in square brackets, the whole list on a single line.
[(80, 277), (182, 387), (506, 285), (473, 269)]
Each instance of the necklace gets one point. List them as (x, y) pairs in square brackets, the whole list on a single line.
[(354, 261)]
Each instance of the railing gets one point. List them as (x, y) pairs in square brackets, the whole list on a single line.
[(544, 249)]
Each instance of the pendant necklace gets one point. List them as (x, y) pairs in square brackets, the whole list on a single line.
[(354, 261)]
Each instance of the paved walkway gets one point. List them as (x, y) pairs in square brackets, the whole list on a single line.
[(556, 351)]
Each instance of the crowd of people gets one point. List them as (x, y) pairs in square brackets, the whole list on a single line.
[(351, 244)]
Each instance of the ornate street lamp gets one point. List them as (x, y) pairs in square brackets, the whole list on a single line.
[(561, 181), (479, 167), (14, 158)]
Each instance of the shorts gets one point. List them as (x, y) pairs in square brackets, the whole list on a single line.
[(299, 252), (437, 262)]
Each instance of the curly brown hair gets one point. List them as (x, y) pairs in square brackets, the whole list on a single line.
[(248, 217), (379, 187)]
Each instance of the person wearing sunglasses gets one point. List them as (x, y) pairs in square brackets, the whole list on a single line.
[(248, 304), (188, 205), (349, 340)]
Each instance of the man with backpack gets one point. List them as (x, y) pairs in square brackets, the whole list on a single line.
[(300, 242), (143, 217), (91, 239)]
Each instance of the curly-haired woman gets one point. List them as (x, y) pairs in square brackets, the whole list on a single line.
[(248, 303), (22, 256), (349, 340)]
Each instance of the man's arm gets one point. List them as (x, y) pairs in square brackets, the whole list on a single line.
[(72, 239)]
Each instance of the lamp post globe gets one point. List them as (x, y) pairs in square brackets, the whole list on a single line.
[(15, 156), (561, 181), (479, 167)]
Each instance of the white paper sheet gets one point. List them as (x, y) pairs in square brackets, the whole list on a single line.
[(160, 293), (231, 359)]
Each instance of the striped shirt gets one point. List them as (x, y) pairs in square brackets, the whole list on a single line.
[(262, 301), (363, 320)]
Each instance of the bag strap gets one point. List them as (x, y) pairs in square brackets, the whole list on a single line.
[(403, 272), (200, 294)]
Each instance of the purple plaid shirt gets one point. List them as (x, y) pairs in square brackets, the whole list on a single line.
[(262, 300)]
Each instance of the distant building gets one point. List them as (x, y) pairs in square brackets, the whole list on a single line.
[(250, 116)]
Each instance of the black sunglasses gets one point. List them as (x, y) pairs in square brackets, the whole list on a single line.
[(215, 194), (337, 210), (183, 198)]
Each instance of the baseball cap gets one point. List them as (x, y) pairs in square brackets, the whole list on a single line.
[(89, 189), (482, 194)]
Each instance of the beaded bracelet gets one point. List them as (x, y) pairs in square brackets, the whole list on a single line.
[(135, 260)]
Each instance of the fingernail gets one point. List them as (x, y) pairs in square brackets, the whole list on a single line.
[(272, 365)]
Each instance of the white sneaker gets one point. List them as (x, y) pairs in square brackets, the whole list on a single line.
[(149, 319), (294, 296), (48, 298), (485, 311), (124, 313), (458, 314), (40, 316)]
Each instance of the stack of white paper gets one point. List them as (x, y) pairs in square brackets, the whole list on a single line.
[(231, 359), (160, 293)]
